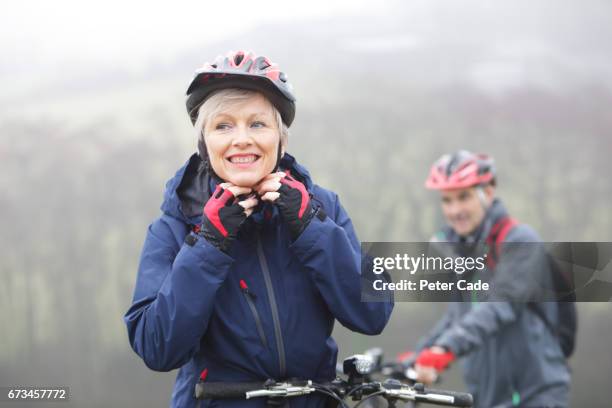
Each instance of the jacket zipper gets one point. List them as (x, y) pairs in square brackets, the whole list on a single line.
[(250, 298), (273, 306)]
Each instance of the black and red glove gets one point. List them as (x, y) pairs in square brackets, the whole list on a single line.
[(439, 361), (222, 219), (294, 205)]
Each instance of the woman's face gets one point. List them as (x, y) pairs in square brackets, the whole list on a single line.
[(242, 141)]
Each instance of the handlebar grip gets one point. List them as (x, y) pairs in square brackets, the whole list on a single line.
[(225, 390), (461, 399)]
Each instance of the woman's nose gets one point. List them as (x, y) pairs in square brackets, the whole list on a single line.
[(242, 137)]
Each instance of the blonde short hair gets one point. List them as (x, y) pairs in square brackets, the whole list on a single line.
[(223, 99)]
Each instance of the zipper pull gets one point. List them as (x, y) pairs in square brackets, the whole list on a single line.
[(245, 289), (203, 375)]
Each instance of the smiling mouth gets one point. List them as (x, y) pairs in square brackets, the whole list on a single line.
[(460, 220), (243, 159)]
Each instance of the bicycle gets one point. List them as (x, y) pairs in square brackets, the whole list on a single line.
[(358, 368)]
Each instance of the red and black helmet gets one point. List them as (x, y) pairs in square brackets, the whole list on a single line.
[(244, 70), (460, 170)]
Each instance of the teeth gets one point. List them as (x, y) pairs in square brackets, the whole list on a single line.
[(243, 159)]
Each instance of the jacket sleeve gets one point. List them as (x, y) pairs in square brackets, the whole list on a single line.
[(518, 278), (328, 248), (173, 298), (433, 335)]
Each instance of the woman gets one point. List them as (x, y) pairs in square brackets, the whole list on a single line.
[(242, 276)]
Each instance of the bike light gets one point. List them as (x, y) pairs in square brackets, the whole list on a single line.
[(377, 355), (358, 364)]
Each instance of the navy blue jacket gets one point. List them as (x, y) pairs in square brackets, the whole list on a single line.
[(191, 312)]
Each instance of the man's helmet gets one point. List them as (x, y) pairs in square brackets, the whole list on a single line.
[(460, 170), (242, 70)]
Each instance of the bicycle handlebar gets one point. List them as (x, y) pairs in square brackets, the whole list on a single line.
[(444, 397), (228, 390), (225, 390)]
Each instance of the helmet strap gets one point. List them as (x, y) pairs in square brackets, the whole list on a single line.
[(278, 156), (205, 160), (202, 149)]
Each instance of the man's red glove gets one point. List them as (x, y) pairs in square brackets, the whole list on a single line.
[(439, 361)]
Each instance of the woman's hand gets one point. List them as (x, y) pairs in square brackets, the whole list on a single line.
[(267, 188), (291, 198), (223, 214)]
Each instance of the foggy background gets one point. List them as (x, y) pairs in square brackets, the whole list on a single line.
[(92, 124)]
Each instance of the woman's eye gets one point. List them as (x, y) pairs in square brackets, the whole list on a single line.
[(258, 124), (222, 126)]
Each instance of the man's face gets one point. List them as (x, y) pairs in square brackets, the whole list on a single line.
[(463, 209)]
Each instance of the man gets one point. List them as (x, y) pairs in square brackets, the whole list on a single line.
[(512, 356)]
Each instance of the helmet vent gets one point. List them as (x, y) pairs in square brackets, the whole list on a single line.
[(238, 59), (262, 64)]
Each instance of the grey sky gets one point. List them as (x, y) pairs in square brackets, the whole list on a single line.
[(494, 44), (90, 31)]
